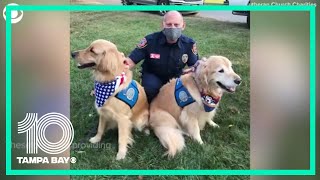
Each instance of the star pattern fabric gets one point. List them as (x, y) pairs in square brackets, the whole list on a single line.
[(209, 102), (104, 90)]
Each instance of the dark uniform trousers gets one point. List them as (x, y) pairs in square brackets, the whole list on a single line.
[(151, 84)]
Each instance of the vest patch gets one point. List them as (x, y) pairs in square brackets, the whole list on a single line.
[(182, 95), (129, 95)]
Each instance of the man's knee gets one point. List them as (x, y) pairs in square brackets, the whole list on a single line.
[(151, 84)]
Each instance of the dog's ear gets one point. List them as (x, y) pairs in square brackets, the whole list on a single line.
[(122, 54), (97, 50), (202, 73), (110, 62), (203, 59)]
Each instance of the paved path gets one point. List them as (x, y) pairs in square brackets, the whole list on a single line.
[(223, 16)]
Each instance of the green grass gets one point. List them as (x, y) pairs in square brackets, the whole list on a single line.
[(224, 148)]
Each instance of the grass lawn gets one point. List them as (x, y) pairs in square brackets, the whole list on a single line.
[(224, 148)]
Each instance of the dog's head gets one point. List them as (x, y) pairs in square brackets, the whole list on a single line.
[(216, 73), (103, 56)]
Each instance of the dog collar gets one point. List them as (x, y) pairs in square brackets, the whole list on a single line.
[(122, 78), (104, 90), (209, 102)]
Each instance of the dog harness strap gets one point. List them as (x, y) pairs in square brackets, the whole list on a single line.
[(209, 103), (182, 95), (104, 90), (129, 95)]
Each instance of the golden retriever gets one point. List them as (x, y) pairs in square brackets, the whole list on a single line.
[(205, 83), (108, 66)]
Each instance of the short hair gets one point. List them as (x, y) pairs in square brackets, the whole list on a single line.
[(171, 12)]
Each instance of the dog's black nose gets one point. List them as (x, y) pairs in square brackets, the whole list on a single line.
[(237, 81), (74, 54)]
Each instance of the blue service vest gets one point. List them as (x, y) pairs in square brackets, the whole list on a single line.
[(182, 95), (129, 95)]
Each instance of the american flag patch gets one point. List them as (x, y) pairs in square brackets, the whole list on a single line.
[(142, 43)]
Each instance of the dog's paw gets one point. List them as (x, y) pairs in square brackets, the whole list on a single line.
[(94, 140), (213, 124), (197, 139), (120, 156), (92, 93), (185, 133), (200, 141), (146, 131), (130, 142)]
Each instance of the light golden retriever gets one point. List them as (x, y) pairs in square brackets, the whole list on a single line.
[(109, 64), (206, 82)]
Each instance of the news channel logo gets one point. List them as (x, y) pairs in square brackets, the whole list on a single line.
[(16, 16), (35, 128)]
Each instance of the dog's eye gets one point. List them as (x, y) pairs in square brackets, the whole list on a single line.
[(221, 71)]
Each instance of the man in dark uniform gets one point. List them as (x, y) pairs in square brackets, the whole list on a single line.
[(165, 54)]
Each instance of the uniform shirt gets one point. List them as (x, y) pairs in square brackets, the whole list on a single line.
[(165, 60)]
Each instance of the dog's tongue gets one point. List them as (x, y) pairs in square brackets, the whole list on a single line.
[(232, 89)]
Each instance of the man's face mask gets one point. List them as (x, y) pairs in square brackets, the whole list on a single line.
[(172, 34)]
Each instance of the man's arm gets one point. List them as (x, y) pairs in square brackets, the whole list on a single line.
[(193, 55), (138, 53)]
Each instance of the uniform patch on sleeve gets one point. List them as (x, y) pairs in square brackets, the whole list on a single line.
[(142, 43), (194, 49)]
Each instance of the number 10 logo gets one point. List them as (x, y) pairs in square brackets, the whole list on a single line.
[(35, 132)]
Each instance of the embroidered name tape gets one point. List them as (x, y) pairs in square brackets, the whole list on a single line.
[(154, 56)]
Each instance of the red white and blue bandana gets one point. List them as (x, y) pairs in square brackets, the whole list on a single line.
[(209, 103), (104, 90)]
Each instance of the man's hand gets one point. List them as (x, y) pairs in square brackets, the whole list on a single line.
[(130, 63)]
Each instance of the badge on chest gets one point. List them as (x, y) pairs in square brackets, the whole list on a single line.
[(184, 58)]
